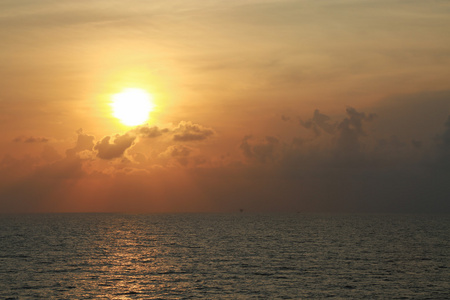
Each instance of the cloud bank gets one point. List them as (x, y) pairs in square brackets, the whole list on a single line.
[(331, 163)]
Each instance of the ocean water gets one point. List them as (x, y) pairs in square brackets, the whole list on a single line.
[(224, 256)]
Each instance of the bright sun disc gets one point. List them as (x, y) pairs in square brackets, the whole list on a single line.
[(132, 106)]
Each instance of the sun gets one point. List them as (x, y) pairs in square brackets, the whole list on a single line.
[(132, 106)]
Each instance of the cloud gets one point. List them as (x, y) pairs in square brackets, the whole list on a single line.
[(50, 154), (178, 152), (139, 157), (183, 156), (356, 118), (84, 142), (350, 130), (107, 150), (285, 118), (150, 132), (263, 151), (187, 131), (386, 175), (319, 122), (183, 132), (31, 139), (347, 133)]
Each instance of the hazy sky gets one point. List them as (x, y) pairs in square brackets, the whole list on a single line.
[(310, 106)]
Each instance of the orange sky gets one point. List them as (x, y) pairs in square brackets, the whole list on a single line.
[(321, 106)]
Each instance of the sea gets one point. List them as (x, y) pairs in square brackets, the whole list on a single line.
[(224, 256)]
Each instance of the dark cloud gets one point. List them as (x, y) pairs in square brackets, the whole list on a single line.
[(107, 150), (264, 151), (84, 142), (348, 140), (246, 147), (363, 172), (187, 131), (285, 118), (180, 153), (373, 173), (150, 132), (319, 122), (31, 139), (350, 130)]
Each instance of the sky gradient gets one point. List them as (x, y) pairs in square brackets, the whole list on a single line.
[(308, 106)]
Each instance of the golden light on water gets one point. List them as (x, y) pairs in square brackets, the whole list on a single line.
[(132, 106)]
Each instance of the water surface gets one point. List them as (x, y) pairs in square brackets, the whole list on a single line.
[(224, 256)]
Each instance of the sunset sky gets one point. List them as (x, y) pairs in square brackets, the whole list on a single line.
[(261, 105)]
